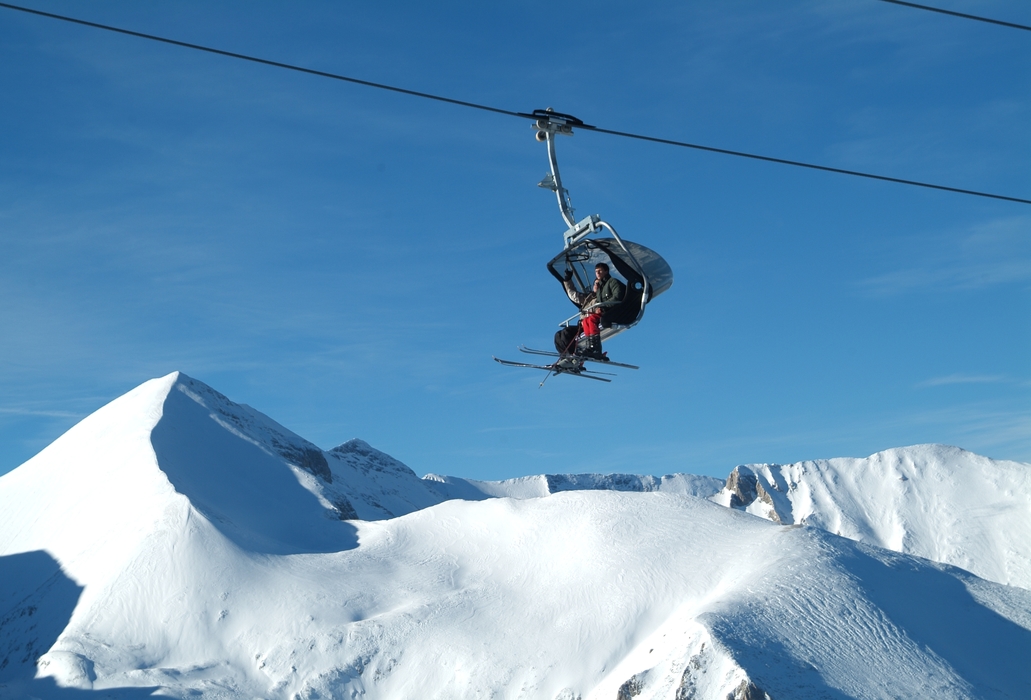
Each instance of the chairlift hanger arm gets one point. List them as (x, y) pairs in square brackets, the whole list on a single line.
[(548, 123), (553, 181)]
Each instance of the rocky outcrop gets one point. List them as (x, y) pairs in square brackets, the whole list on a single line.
[(757, 492), (699, 668), (631, 689), (749, 691), (310, 459), (741, 485), (344, 508)]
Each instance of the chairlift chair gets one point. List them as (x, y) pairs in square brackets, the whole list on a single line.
[(643, 271)]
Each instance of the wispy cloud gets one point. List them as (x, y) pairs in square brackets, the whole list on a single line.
[(994, 429), (964, 379), (39, 413), (993, 253), (955, 275)]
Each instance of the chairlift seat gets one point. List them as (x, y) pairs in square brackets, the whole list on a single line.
[(643, 271)]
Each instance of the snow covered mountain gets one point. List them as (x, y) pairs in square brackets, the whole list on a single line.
[(174, 541), (934, 501)]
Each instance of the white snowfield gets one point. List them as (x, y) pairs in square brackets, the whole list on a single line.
[(175, 542)]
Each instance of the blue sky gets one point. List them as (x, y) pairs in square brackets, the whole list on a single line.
[(347, 260)]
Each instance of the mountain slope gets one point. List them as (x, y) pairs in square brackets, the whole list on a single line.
[(579, 594), (934, 501)]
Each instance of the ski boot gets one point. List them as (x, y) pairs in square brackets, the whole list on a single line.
[(592, 348)]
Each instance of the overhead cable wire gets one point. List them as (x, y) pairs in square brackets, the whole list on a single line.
[(255, 59), (511, 113), (964, 15), (813, 166)]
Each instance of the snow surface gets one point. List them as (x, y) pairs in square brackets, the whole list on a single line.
[(175, 541)]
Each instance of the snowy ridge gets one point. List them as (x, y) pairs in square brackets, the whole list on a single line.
[(542, 485), (350, 481), (934, 501), (176, 541), (356, 481)]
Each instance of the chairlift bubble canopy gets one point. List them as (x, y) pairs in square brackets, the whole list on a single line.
[(643, 271)]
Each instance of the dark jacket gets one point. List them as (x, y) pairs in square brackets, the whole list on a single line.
[(610, 292)]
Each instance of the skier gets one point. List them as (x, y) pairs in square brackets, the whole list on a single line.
[(607, 292)]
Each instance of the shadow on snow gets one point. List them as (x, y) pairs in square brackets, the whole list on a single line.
[(36, 603), (250, 495)]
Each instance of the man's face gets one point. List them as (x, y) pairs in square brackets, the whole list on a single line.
[(600, 273)]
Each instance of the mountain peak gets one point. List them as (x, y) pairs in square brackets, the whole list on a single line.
[(358, 451)]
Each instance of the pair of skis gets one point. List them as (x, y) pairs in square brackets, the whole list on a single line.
[(575, 365)]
